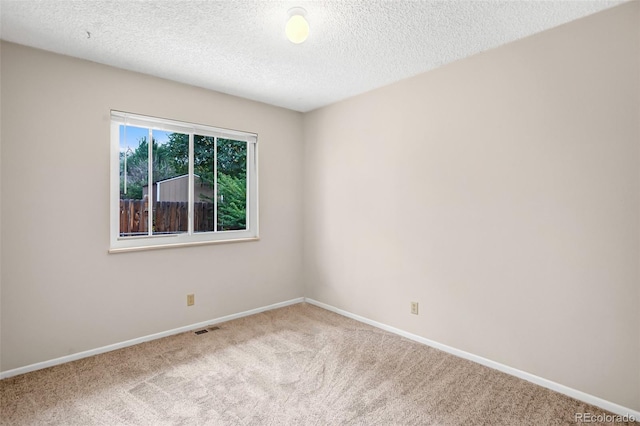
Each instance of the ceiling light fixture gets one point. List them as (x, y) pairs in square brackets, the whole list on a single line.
[(297, 28)]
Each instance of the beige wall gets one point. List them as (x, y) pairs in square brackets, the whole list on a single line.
[(501, 192), (61, 292)]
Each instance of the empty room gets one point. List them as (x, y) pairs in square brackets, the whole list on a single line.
[(319, 212)]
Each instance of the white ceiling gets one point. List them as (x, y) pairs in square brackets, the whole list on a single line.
[(239, 47)]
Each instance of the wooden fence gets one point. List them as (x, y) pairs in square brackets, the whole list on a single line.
[(168, 217)]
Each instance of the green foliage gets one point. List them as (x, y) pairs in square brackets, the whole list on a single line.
[(232, 157), (232, 198), (232, 184), (134, 170), (178, 152), (172, 159), (232, 166)]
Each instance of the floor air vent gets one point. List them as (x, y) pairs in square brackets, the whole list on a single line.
[(208, 329)]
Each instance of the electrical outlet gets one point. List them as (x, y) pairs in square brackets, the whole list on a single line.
[(414, 308), (191, 299)]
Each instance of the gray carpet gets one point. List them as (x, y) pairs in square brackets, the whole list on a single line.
[(299, 365)]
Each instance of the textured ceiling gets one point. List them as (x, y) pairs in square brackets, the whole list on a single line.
[(239, 47)]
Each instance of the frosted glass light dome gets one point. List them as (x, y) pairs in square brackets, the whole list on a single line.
[(297, 28)]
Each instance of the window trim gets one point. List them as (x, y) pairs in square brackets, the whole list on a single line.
[(135, 243)]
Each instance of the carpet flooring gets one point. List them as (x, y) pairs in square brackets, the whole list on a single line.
[(298, 365)]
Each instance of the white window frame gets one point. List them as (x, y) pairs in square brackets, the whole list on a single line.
[(189, 238)]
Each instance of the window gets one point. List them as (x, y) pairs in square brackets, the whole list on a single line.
[(176, 183)]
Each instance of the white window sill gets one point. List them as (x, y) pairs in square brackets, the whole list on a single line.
[(176, 245)]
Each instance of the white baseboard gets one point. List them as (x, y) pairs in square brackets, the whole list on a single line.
[(573, 393), (108, 348)]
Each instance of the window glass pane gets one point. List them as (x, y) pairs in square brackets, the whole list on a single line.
[(170, 189), (232, 185), (134, 173), (203, 191), (180, 183)]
